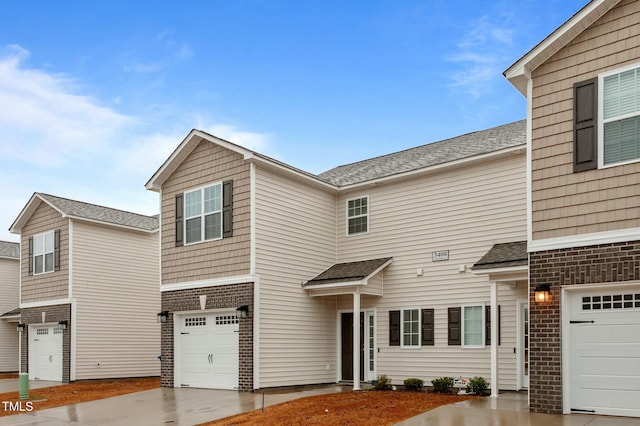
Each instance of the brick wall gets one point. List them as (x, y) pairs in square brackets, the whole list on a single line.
[(33, 317), (606, 263), (227, 296)]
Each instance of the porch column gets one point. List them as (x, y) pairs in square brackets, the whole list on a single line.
[(494, 339), (356, 341)]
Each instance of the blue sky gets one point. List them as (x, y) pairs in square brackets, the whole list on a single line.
[(95, 95)]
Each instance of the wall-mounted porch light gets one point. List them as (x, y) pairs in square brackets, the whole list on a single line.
[(542, 293), (242, 311), (163, 316), (21, 327), (62, 325)]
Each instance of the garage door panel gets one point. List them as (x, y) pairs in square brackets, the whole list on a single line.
[(45, 353), (604, 352)]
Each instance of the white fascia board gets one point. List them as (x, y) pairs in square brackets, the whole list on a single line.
[(44, 303), (607, 237), (10, 258), (335, 285), (115, 225), (293, 172), (28, 210), (238, 279), (437, 167), (509, 269)]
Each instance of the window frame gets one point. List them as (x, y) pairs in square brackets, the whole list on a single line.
[(483, 326), (418, 322), (347, 217), (202, 216), (601, 120), (44, 253)]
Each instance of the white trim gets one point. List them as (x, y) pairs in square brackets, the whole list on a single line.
[(70, 269), (44, 303), (520, 304), (606, 237), (159, 252), (115, 225), (521, 268), (419, 345), (202, 214), (347, 217), (320, 286), (601, 119), (529, 159), (256, 332), (483, 326), (215, 282), (495, 385), (370, 375), (252, 218), (73, 350)]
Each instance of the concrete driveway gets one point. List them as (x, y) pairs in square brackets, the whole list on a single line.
[(163, 406)]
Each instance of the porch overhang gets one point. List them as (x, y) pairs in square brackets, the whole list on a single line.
[(11, 316), (504, 262), (363, 277)]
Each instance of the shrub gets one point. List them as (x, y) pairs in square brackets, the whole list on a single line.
[(412, 384), (477, 385), (442, 384), (383, 383)]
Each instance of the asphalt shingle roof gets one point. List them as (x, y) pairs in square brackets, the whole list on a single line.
[(504, 255), (9, 249), (351, 271), (457, 148), (102, 214)]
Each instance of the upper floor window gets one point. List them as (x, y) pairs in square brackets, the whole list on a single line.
[(358, 215), (43, 252), (203, 214), (620, 109)]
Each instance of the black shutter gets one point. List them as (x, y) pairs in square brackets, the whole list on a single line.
[(179, 220), (585, 125), (227, 209), (394, 328), (454, 326), (427, 327), (56, 250), (30, 255), (487, 324)]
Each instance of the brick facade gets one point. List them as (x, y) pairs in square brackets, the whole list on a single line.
[(33, 317), (219, 297), (605, 263)]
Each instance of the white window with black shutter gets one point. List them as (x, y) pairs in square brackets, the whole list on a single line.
[(204, 214), (44, 252), (411, 327)]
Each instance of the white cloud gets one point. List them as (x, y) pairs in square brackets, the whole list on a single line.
[(258, 142)]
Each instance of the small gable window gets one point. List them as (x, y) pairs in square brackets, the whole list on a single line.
[(358, 215), (621, 116), (203, 214)]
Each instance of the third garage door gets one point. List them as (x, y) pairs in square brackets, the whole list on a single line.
[(604, 351), (209, 350)]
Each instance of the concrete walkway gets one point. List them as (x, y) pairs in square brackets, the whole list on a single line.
[(509, 409), (163, 406)]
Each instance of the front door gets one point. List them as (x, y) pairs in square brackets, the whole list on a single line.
[(346, 349)]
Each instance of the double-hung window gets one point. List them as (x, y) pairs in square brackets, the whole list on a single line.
[(620, 112), (411, 327), (43, 253), (473, 326), (203, 214), (358, 215)]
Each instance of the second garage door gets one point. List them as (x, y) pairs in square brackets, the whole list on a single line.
[(604, 351), (45, 352), (209, 350)]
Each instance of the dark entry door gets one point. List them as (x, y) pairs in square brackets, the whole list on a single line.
[(347, 345)]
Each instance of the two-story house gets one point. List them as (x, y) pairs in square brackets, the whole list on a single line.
[(9, 299), (582, 85), (88, 291), (264, 266)]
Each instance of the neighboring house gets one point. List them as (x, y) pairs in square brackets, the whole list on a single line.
[(88, 290), (425, 246), (9, 299), (583, 143)]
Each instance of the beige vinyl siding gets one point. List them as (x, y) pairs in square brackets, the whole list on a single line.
[(566, 203), (50, 285), (464, 210), (9, 289), (207, 164), (297, 333), (115, 285)]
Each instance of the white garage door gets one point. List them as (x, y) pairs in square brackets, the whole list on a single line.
[(604, 351), (45, 352), (209, 351)]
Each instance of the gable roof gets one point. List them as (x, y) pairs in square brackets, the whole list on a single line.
[(85, 211), (504, 255), (9, 250), (520, 72), (351, 271), (458, 148)]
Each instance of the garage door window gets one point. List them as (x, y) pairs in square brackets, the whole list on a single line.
[(195, 322), (226, 319), (611, 301)]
